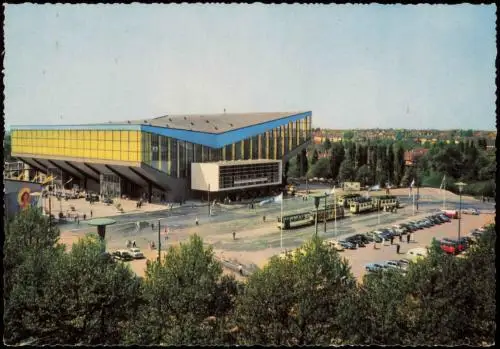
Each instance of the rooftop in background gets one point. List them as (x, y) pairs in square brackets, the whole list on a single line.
[(210, 123)]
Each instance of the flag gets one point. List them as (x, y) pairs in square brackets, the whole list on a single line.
[(443, 182), (411, 187), (278, 199), (274, 199)]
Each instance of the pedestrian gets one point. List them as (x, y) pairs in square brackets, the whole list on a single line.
[(75, 218), (408, 238), (197, 221), (234, 235), (90, 213), (152, 226), (240, 269), (400, 237), (78, 221), (133, 244), (392, 240), (398, 247), (264, 219), (383, 241)]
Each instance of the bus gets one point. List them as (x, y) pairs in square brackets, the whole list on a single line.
[(295, 220), (345, 200)]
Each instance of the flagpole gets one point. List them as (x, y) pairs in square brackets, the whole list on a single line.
[(282, 223), (335, 203)]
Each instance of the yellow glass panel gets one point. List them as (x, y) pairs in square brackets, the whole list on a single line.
[(116, 145), (116, 135), (124, 145), (86, 153), (101, 145), (124, 156), (93, 144), (132, 156), (108, 154), (93, 135), (116, 155), (108, 135), (86, 134), (100, 135), (134, 136), (124, 136)]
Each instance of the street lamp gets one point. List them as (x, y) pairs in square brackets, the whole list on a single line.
[(317, 199), (460, 186)]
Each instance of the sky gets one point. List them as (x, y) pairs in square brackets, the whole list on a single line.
[(353, 66)]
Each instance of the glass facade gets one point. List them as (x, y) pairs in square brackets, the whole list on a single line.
[(165, 154), (86, 144)]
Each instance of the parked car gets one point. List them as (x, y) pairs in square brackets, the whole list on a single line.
[(92, 197), (334, 244), (448, 247), (374, 267), (123, 255), (108, 201), (435, 219), (471, 210), (445, 218), (460, 245), (404, 263), (136, 253), (416, 253), (400, 229), (429, 222), (347, 245), (391, 264), (355, 240), (424, 224), (374, 236)]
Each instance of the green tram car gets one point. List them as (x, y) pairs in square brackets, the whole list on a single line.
[(345, 200), (302, 219), (383, 203)]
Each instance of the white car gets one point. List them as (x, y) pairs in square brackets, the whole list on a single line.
[(136, 253), (334, 244), (472, 211)]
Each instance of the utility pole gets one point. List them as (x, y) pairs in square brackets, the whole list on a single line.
[(159, 241), (208, 199), (324, 217)]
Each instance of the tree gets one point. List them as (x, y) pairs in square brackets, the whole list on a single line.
[(295, 300), (364, 175), (399, 164), (337, 156), (321, 168), (315, 157), (346, 171), (389, 163), (304, 162), (81, 297), (348, 135), (327, 144), (7, 147), (184, 291)]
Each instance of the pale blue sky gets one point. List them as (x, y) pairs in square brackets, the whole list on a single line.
[(353, 66)]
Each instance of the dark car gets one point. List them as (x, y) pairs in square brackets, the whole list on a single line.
[(348, 245), (355, 240), (445, 218), (364, 239), (435, 220), (91, 197), (107, 200)]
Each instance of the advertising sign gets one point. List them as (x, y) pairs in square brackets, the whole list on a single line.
[(352, 186)]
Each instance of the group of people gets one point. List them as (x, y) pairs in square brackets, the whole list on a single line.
[(131, 244), (398, 246)]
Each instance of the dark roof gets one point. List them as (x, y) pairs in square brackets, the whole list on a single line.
[(210, 123)]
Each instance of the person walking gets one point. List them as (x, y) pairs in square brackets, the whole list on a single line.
[(408, 238), (197, 221), (84, 216), (133, 244), (392, 240), (398, 247), (240, 269), (383, 241), (90, 213), (234, 235), (400, 237), (264, 219), (152, 226)]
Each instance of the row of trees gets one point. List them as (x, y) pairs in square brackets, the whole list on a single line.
[(84, 297), (382, 162)]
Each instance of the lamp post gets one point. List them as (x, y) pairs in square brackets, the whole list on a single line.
[(461, 186), (324, 217), (208, 199), (317, 199)]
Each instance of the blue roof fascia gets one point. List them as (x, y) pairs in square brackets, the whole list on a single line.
[(79, 127), (218, 140), (254, 130), (203, 138)]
